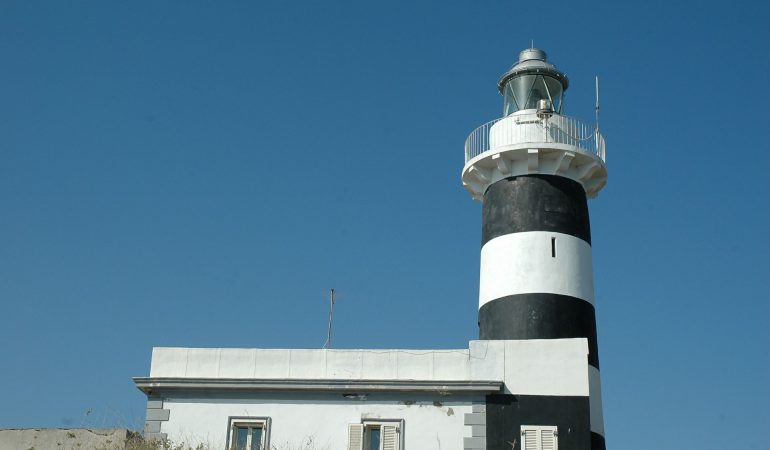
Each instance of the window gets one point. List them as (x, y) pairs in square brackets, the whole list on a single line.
[(375, 435), (248, 433), (535, 437)]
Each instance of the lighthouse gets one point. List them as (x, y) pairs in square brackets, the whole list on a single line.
[(531, 380), (533, 170)]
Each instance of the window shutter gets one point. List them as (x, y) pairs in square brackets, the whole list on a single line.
[(355, 436), (529, 439), (389, 437), (539, 438), (548, 439)]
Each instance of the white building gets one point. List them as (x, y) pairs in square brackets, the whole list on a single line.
[(425, 398)]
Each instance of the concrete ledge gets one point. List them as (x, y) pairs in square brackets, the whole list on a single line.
[(150, 385), (475, 443), (475, 419), (158, 414), (479, 430)]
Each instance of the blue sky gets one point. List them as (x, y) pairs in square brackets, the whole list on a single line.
[(201, 173)]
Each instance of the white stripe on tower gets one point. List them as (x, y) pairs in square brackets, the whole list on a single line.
[(536, 262)]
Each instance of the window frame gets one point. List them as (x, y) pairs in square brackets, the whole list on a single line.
[(251, 422), (538, 429), (369, 424)]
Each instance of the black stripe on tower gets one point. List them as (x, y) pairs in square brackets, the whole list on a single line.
[(597, 442), (535, 203), (507, 413), (540, 316)]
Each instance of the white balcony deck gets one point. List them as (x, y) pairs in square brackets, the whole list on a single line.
[(522, 144)]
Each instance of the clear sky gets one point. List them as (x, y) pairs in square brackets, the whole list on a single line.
[(201, 173)]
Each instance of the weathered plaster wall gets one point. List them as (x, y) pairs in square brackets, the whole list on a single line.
[(433, 420), (430, 421)]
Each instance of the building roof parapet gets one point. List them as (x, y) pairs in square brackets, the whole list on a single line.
[(516, 365)]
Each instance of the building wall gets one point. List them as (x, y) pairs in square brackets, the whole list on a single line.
[(296, 420), (552, 368)]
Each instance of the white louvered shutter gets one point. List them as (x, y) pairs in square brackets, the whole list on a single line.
[(529, 439), (355, 436), (539, 438), (389, 437), (548, 439)]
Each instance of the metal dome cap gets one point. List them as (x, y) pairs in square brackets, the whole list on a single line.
[(533, 61)]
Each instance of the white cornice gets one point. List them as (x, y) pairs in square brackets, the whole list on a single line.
[(150, 385)]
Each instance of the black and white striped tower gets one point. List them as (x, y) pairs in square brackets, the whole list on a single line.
[(533, 170)]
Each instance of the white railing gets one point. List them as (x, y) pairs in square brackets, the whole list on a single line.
[(528, 129)]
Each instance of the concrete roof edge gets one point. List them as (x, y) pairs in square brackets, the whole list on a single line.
[(150, 385)]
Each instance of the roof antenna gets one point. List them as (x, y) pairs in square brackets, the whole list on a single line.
[(597, 103), (328, 343), (532, 43)]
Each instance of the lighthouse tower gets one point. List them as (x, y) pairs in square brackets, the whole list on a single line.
[(533, 170)]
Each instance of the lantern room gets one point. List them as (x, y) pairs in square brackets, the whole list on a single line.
[(531, 80)]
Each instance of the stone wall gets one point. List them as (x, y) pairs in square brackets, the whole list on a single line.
[(65, 438)]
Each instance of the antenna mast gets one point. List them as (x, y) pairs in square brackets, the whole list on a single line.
[(597, 103), (328, 343)]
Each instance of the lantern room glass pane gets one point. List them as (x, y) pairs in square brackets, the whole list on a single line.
[(522, 86), (537, 93), (509, 101), (523, 92), (556, 90), (517, 93)]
